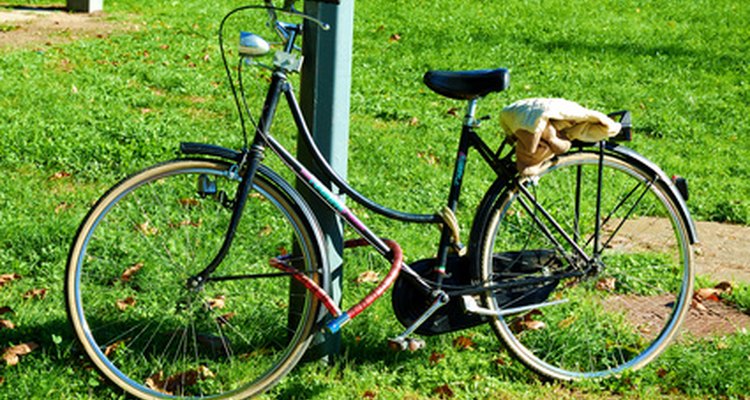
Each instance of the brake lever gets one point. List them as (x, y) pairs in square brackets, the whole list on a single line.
[(289, 9)]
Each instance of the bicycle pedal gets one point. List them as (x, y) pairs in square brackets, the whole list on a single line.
[(404, 344)]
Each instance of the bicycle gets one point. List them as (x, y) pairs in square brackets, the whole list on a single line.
[(555, 263)]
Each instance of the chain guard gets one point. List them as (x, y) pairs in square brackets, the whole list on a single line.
[(409, 303)]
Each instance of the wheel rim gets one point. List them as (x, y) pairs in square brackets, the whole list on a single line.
[(154, 337), (617, 319)]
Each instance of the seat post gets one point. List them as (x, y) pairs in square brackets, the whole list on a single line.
[(471, 109)]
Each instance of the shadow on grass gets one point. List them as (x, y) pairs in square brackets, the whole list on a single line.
[(701, 58)]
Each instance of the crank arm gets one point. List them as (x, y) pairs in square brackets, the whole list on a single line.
[(440, 300)]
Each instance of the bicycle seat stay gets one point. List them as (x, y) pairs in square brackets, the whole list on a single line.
[(467, 85)]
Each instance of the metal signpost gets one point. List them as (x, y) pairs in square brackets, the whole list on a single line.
[(324, 98)]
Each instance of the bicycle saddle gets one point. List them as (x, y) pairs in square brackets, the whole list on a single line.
[(467, 85)]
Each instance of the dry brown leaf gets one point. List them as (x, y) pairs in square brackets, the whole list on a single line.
[(697, 304), (126, 303), (370, 394), (217, 302), (394, 38), (528, 323), (189, 202), (5, 310), (5, 278), (224, 319), (266, 230), (436, 357), (110, 350), (64, 206), (708, 294), (607, 284), (2, 380), (443, 392), (452, 111), (367, 276), (59, 175), (146, 229), (725, 287), (463, 343), (11, 354), (35, 294), (567, 322), (6, 324), (534, 325), (414, 121), (128, 274), (177, 382)]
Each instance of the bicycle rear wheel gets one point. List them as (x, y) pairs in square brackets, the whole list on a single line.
[(133, 312), (586, 319)]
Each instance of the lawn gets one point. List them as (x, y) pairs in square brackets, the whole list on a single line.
[(77, 115)]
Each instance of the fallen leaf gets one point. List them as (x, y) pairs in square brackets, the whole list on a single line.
[(5, 310), (607, 284), (414, 121), (266, 230), (429, 157), (11, 354), (146, 229), (178, 382), (6, 324), (443, 392), (217, 302), (164, 47), (63, 207), (436, 357), (725, 287), (567, 322), (527, 323), (224, 319), (128, 274), (126, 303), (189, 202), (369, 394), (35, 294), (394, 38), (452, 111), (74, 89), (206, 58), (2, 380), (463, 343), (367, 276), (5, 278), (697, 304), (661, 373), (110, 350)]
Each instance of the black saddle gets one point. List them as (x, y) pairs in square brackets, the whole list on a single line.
[(467, 85)]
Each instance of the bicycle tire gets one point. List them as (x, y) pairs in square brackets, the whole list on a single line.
[(621, 314), (126, 283)]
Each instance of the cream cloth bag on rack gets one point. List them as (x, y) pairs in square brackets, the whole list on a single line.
[(545, 127)]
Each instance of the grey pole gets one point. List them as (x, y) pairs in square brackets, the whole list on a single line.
[(324, 98), (88, 6)]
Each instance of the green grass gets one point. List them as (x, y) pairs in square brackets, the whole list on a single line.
[(100, 108)]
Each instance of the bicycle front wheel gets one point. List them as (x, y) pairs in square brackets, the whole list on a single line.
[(155, 336), (607, 298)]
